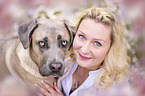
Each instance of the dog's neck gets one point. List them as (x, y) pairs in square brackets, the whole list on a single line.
[(26, 62)]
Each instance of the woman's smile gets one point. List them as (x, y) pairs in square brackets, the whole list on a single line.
[(84, 57)]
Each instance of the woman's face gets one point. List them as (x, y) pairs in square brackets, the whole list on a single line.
[(91, 43)]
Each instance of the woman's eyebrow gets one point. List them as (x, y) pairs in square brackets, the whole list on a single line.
[(94, 38), (82, 32)]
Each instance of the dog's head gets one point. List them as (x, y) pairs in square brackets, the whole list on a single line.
[(48, 41)]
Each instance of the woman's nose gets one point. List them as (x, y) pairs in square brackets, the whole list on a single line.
[(85, 48)]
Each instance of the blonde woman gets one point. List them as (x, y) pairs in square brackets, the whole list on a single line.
[(99, 57)]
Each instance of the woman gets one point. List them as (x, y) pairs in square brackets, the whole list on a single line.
[(99, 60)]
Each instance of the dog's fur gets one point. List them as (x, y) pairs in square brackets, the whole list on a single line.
[(39, 52)]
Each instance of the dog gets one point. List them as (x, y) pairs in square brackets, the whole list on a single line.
[(39, 52)]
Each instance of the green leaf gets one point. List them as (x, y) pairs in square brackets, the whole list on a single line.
[(127, 26), (57, 12)]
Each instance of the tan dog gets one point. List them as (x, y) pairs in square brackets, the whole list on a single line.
[(40, 52)]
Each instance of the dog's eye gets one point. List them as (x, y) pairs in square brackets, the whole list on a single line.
[(64, 43), (42, 44)]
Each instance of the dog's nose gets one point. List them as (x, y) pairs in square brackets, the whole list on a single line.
[(56, 67)]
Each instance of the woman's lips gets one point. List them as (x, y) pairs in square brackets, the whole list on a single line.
[(83, 57)]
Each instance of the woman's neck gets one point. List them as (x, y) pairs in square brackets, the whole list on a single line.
[(82, 71), (79, 76)]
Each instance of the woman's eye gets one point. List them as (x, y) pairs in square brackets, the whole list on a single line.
[(81, 37), (42, 44), (97, 43)]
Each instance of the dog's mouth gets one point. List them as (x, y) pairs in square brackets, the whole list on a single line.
[(53, 74)]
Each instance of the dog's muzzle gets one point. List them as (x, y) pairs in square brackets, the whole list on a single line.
[(52, 69)]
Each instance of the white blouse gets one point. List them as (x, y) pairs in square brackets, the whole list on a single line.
[(66, 82)]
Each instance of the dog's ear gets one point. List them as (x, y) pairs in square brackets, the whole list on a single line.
[(25, 32), (71, 33)]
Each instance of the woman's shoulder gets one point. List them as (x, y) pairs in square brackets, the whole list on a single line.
[(120, 88)]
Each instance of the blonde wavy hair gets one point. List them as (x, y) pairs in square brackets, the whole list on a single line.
[(116, 61)]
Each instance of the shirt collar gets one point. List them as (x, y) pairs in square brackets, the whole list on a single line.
[(91, 78)]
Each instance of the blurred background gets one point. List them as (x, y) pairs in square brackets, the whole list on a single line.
[(132, 13)]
